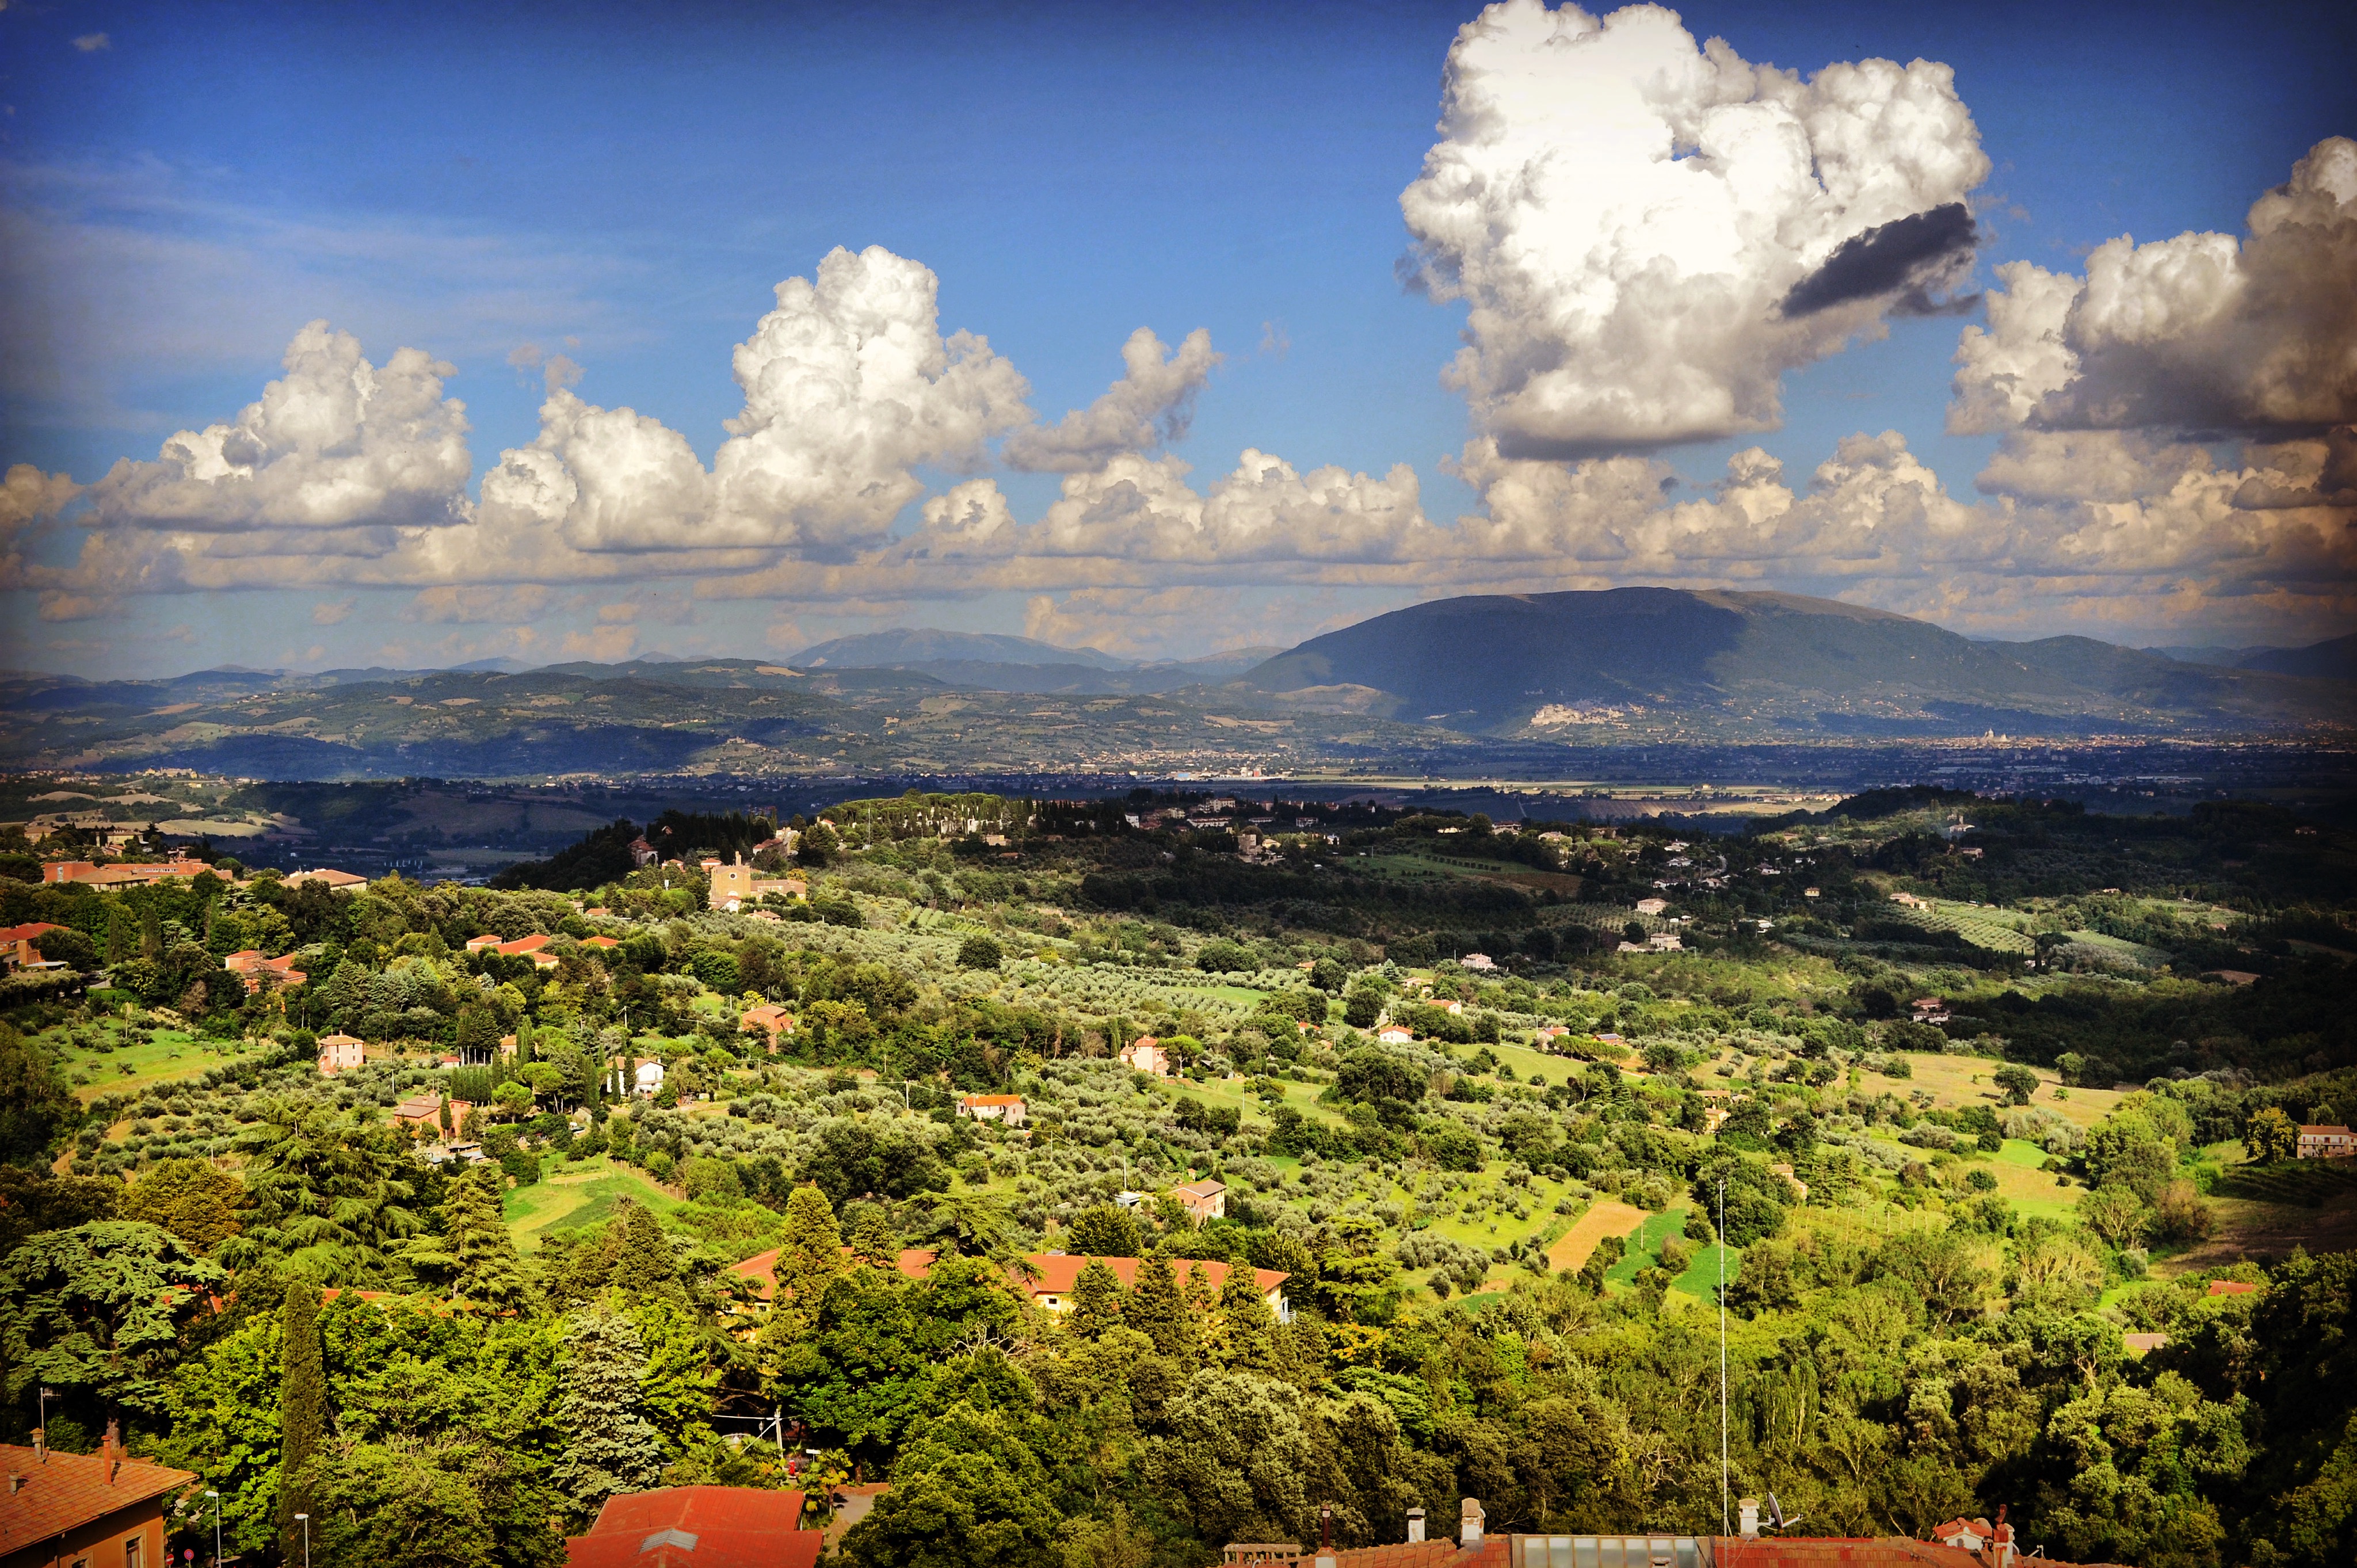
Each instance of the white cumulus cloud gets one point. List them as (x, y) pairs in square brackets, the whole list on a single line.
[(2203, 331), (336, 443), (1649, 234)]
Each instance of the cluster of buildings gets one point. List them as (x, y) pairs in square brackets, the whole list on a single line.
[(1048, 1279)]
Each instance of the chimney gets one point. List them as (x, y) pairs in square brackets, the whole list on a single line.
[(1325, 1535), (113, 1449), (1469, 1524), (2001, 1545), (1747, 1518), (15, 1483), (40, 1444), (1414, 1526)]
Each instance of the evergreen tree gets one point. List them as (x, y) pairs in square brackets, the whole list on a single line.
[(810, 1256), (191, 1199), (610, 1445), (874, 1241), (446, 1115), (487, 1268), (302, 1401), (1198, 1293), (1157, 1310), (639, 1257), (1096, 1301), (1247, 1327)]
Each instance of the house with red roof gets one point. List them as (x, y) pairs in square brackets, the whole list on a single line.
[(1050, 1279), (1008, 1109), (532, 947), (1146, 1054), (697, 1526), (16, 942), (102, 1507), (338, 1053), (2327, 1142)]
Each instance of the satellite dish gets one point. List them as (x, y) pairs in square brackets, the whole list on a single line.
[(1776, 1519)]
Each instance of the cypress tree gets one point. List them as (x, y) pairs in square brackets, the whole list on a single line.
[(1248, 1328), (1157, 1310), (302, 1400), (810, 1256), (1096, 1301)]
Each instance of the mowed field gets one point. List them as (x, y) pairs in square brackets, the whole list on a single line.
[(574, 1197)]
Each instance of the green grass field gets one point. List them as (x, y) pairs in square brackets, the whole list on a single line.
[(1645, 1246), (575, 1196), (170, 1054)]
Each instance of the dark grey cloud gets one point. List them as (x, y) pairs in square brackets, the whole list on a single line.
[(1908, 256)]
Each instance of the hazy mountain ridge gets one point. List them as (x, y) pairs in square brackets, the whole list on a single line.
[(1524, 665), (1442, 687)]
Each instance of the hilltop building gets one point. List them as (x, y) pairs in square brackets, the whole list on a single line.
[(736, 884)]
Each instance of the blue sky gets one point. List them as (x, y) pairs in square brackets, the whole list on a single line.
[(626, 186)]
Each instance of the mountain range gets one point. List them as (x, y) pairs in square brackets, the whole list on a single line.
[(1441, 688), (1652, 660)]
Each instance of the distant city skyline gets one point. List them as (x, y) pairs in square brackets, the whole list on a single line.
[(345, 337)]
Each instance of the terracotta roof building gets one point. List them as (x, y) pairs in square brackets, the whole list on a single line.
[(100, 1509), (337, 1053), (1004, 1108), (1147, 1055), (697, 1526), (2327, 1142), (1204, 1201)]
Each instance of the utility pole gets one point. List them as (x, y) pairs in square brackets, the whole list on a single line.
[(305, 1520), (217, 1528)]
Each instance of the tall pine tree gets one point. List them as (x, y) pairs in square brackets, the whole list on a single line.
[(488, 1270), (302, 1401)]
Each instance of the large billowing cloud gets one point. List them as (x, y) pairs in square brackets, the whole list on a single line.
[(335, 443), (1651, 233), (2202, 332), (849, 388)]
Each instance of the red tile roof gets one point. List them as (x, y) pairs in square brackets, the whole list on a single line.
[(2230, 1287), (698, 1526), (68, 1490), (1059, 1271), (761, 1268)]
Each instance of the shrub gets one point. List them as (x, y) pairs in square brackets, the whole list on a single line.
[(979, 952)]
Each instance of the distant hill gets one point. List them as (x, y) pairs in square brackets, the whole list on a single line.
[(903, 648), (2333, 659), (995, 664), (1658, 660)]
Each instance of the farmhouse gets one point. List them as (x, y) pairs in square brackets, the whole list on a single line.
[(1204, 1201), (2327, 1142), (1147, 1055), (338, 1053), (1002, 1107)]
